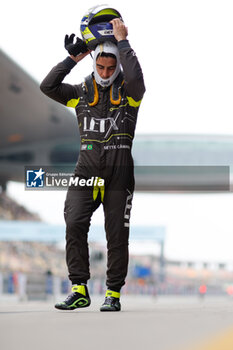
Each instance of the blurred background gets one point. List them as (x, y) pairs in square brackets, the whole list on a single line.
[(181, 222)]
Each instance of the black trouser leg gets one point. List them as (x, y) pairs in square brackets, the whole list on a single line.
[(117, 206), (79, 207)]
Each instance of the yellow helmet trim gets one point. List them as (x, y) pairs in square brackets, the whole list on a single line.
[(107, 12)]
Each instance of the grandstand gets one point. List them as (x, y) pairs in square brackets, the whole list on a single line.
[(35, 250), (11, 210)]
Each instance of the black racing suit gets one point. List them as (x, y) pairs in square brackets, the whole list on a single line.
[(106, 132)]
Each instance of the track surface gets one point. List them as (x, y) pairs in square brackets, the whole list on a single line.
[(164, 323)]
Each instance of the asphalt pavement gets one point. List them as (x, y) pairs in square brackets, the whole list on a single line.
[(160, 323)]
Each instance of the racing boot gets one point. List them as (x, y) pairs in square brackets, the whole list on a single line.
[(77, 299), (111, 302)]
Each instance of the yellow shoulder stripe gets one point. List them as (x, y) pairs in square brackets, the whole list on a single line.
[(133, 103), (73, 102)]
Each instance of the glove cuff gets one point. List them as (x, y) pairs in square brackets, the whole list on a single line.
[(69, 63), (123, 44)]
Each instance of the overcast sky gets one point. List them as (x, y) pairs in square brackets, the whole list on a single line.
[(184, 46), (186, 53)]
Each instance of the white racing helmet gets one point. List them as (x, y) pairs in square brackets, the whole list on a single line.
[(95, 27)]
